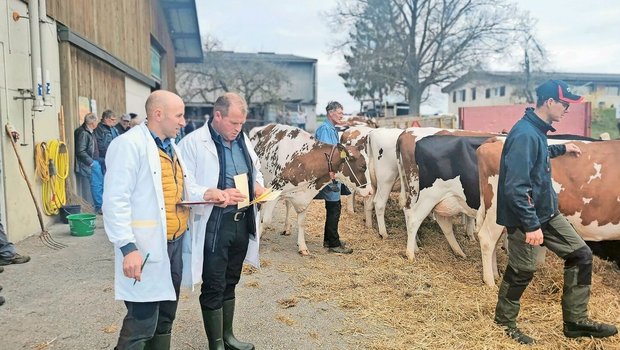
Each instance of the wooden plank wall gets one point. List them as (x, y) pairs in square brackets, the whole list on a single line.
[(121, 27)]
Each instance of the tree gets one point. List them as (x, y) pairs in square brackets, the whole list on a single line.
[(250, 75), (411, 45)]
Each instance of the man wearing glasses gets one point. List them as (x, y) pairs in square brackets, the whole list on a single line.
[(528, 207), (331, 193)]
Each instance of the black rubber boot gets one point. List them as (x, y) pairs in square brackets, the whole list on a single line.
[(159, 342), (212, 320), (589, 328), (230, 342)]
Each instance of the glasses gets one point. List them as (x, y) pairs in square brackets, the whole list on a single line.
[(564, 104)]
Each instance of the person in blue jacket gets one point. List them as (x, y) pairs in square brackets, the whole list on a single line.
[(528, 207), (327, 133)]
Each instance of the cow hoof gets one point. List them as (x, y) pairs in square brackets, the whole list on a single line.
[(410, 257), (383, 236), (304, 252), (285, 233)]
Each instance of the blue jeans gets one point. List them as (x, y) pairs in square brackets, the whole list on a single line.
[(7, 249), (96, 184)]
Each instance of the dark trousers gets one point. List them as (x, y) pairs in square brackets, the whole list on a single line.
[(222, 266), (144, 320), (332, 219), (559, 237)]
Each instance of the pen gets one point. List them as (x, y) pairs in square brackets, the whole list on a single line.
[(142, 267)]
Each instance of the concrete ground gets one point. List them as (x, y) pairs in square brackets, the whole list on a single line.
[(64, 299)]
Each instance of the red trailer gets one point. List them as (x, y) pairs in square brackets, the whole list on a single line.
[(577, 121)]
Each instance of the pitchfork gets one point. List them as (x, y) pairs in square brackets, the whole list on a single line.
[(45, 236)]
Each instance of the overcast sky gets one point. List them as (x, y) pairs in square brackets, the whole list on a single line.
[(580, 36)]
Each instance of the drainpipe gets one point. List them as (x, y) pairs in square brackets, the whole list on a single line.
[(47, 84), (35, 56)]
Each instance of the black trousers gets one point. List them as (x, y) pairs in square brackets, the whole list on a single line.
[(332, 219), (144, 320), (221, 268)]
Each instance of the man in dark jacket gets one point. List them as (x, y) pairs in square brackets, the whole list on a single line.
[(528, 207), (106, 131), (87, 159), (124, 124)]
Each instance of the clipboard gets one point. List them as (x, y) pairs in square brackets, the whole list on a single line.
[(197, 202)]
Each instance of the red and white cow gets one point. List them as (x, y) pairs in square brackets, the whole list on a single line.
[(356, 136), (446, 191), (294, 162), (588, 190)]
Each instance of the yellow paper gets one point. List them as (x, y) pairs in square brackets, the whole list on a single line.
[(241, 184), (267, 196)]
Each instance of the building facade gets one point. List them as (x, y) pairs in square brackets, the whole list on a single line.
[(64, 58), (480, 88), (299, 94)]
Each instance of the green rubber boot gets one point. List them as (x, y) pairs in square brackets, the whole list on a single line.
[(212, 320), (230, 342)]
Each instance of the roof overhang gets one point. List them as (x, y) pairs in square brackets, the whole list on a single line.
[(182, 19)]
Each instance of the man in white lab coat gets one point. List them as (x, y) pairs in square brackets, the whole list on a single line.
[(215, 154), (144, 182)]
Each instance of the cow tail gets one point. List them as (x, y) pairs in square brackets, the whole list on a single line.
[(402, 197)]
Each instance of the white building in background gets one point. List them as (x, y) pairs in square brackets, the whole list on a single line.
[(482, 88)]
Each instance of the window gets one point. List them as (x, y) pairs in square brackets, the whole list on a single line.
[(473, 94), (155, 64), (487, 93), (462, 93), (454, 96), (502, 91)]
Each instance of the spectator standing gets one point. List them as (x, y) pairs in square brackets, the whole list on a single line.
[(104, 134), (301, 119), (124, 124), (87, 157), (331, 193)]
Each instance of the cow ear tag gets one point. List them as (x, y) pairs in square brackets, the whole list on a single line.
[(343, 154)]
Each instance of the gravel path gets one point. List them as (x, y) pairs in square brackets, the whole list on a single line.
[(65, 300)]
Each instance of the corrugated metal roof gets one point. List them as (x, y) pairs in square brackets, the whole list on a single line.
[(182, 19), (538, 77), (262, 56)]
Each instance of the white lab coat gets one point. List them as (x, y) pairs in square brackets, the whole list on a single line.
[(200, 155), (134, 211)]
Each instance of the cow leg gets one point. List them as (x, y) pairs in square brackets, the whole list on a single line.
[(301, 238), (380, 201), (445, 223), (351, 202), (287, 225), (368, 210), (470, 228), (488, 236), (267, 212), (413, 219)]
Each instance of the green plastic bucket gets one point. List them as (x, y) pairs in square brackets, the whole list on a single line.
[(82, 224)]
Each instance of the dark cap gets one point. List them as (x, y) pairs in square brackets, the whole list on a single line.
[(557, 90)]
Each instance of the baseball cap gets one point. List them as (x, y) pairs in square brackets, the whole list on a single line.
[(557, 90), (126, 117)]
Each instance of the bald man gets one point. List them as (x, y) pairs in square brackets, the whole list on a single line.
[(145, 182)]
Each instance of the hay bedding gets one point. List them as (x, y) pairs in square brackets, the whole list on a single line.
[(438, 301)]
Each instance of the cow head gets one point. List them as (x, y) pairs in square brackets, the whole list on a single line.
[(352, 169)]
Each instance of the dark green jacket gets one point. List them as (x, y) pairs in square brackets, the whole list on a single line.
[(525, 196)]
